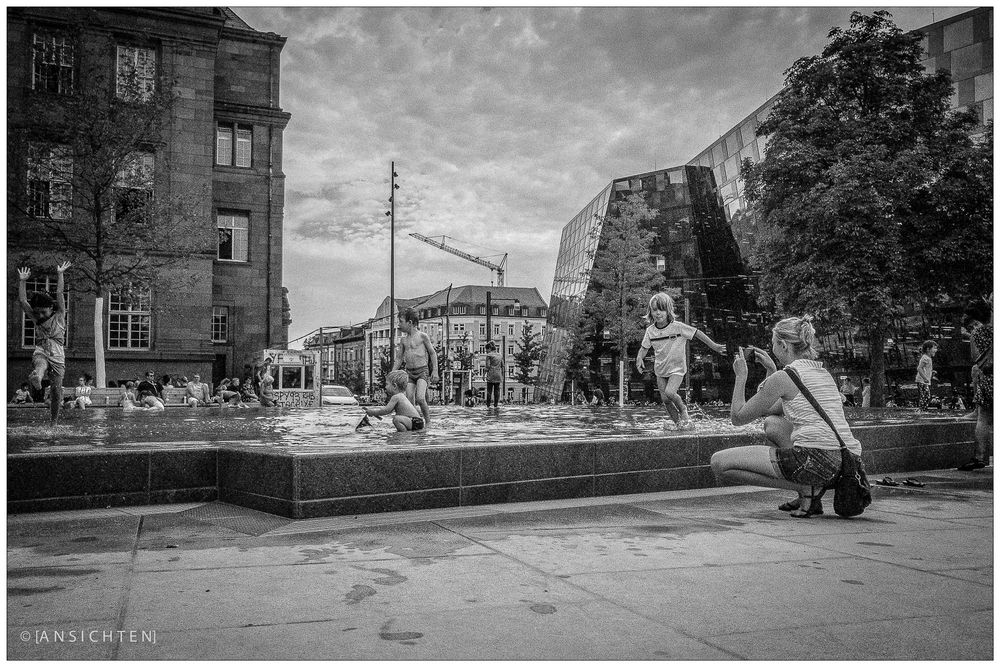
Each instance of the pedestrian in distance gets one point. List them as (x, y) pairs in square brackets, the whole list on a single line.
[(494, 374), (49, 317), (668, 337), (417, 355), (925, 373)]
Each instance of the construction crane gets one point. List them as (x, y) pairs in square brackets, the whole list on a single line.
[(499, 268)]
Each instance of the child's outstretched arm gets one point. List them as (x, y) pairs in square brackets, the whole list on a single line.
[(639, 358), (60, 301), (385, 409), (700, 335), (23, 274), (432, 357)]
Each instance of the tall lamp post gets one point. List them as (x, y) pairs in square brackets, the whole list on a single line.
[(392, 262)]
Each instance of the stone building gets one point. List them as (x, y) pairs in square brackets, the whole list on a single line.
[(220, 151)]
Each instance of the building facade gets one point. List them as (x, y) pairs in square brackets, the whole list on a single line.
[(456, 320), (219, 156)]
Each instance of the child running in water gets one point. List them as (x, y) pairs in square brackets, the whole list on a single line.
[(49, 357), (668, 337), (407, 418)]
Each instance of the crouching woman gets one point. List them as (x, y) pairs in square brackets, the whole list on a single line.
[(802, 453)]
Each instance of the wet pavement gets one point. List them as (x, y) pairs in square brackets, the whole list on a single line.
[(704, 574)]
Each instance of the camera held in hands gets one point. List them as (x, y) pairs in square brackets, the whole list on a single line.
[(749, 354)]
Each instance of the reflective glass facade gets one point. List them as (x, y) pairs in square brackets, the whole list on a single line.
[(694, 248)]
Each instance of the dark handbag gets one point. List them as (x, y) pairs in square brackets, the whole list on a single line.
[(852, 492)]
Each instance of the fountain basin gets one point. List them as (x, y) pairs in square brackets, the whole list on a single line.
[(390, 472)]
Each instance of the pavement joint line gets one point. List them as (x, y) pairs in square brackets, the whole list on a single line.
[(702, 565), (836, 624), (899, 565), (613, 603), (126, 588), (326, 563), (957, 526)]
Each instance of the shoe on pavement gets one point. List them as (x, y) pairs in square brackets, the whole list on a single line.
[(972, 465)]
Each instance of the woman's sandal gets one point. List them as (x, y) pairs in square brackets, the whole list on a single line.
[(790, 505), (815, 507)]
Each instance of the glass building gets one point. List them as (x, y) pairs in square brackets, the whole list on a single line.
[(694, 249)]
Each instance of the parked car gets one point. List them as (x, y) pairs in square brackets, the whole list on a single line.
[(335, 394)]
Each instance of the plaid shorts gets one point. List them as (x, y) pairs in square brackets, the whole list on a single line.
[(808, 465)]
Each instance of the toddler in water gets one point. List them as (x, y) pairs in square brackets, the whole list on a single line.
[(407, 417), (668, 337)]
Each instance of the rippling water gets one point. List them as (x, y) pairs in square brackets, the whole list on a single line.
[(304, 430)]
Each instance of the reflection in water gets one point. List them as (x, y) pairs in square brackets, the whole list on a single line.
[(303, 430)]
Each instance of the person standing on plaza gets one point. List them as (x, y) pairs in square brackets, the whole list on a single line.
[(417, 354), (49, 318), (804, 452), (669, 338), (866, 392), (847, 390), (494, 373), (979, 324), (925, 373)]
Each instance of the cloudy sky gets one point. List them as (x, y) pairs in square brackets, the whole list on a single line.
[(503, 124)]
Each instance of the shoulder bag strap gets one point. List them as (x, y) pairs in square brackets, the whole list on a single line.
[(793, 374), (981, 361)]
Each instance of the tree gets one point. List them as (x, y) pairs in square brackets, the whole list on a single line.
[(529, 352), (383, 368), (85, 184), (351, 374), (857, 142), (623, 277)]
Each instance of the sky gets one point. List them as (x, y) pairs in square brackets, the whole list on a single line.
[(503, 123)]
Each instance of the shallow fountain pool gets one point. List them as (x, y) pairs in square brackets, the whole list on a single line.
[(332, 429)]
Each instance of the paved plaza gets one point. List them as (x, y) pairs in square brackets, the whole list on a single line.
[(704, 574)]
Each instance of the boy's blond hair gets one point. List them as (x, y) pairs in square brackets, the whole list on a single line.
[(396, 380), (661, 301)]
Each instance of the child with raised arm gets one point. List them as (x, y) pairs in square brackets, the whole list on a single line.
[(406, 418), (49, 357), (417, 354), (668, 337)]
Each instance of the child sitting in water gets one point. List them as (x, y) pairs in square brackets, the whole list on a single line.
[(668, 337), (407, 417)]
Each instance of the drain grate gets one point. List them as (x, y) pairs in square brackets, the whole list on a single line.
[(240, 519)]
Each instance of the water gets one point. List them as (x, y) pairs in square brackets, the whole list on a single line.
[(306, 430)]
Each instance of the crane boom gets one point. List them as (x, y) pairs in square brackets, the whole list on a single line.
[(499, 268)]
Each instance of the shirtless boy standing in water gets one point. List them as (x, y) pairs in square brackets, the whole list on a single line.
[(418, 356)]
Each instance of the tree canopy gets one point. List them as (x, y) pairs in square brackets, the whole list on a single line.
[(866, 182)]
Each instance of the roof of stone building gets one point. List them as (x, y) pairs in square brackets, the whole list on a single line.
[(476, 294), (234, 21)]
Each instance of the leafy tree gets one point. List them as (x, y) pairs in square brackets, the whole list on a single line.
[(383, 368), (351, 374), (529, 352), (623, 277), (859, 139), (82, 182)]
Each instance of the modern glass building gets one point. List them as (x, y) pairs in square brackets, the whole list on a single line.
[(694, 248), (705, 230)]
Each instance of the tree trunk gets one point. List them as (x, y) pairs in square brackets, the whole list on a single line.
[(100, 379), (876, 353)]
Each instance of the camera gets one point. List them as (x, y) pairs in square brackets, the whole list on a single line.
[(748, 354)]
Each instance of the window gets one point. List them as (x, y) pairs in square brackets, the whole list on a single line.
[(482, 310), (234, 230), (52, 63), (50, 177), (496, 329), (510, 350), (234, 144), (134, 188), (661, 262), (512, 311), (511, 371), (482, 348), (35, 284), (482, 329), (458, 326), (510, 329), (290, 377), (495, 309), (128, 318), (136, 69), (220, 324)]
